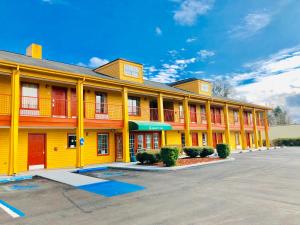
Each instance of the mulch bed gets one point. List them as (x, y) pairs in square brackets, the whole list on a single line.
[(188, 161)]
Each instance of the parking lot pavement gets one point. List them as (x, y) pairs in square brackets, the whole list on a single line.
[(256, 188)]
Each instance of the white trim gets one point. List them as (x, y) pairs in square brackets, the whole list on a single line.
[(37, 167), (9, 211)]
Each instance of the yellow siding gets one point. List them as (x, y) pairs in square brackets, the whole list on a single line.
[(145, 110), (4, 150), (5, 98), (111, 69), (195, 86), (173, 138), (90, 149)]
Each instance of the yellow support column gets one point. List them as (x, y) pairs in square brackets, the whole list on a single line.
[(255, 128), (14, 129), (126, 152), (80, 124), (188, 138), (209, 126), (160, 108), (227, 128), (266, 129), (243, 135)]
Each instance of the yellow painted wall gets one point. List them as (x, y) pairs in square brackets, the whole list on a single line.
[(173, 138), (90, 148), (116, 69), (4, 150), (5, 98), (195, 86), (114, 101), (145, 110)]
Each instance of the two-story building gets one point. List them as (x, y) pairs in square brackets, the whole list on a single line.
[(56, 115)]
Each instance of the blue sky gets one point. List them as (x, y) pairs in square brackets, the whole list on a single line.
[(255, 44)]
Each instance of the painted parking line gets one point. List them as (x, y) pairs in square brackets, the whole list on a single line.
[(111, 188), (12, 211), (16, 178), (101, 168)]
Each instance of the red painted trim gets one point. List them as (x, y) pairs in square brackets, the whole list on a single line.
[(108, 152), (109, 124), (34, 121), (5, 120)]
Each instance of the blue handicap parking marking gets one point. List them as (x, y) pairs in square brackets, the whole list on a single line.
[(12, 211), (111, 188), (23, 187), (92, 169)]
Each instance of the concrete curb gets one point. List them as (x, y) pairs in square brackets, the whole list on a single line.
[(155, 168)]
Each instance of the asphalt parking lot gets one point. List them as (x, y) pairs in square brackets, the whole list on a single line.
[(256, 188)]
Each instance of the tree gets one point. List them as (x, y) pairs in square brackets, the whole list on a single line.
[(222, 88), (279, 116)]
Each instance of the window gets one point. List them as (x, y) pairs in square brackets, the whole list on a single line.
[(71, 141), (133, 106), (102, 147), (140, 138), (250, 119), (101, 103), (181, 113), (156, 140), (132, 71), (204, 87), (148, 141), (204, 139), (182, 139), (237, 138), (235, 116), (131, 144), (203, 114), (29, 96)]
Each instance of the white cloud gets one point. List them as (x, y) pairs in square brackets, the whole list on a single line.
[(94, 62), (169, 72), (273, 81), (191, 39), (190, 10), (158, 31), (204, 54), (51, 2), (251, 24)]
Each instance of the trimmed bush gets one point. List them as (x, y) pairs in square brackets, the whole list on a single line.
[(169, 155), (223, 150), (148, 157), (192, 152), (286, 142), (206, 151)]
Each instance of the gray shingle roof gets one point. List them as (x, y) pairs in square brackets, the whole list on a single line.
[(48, 64)]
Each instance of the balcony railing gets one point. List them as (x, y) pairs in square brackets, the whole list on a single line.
[(103, 111), (47, 107), (5, 107), (216, 119), (169, 115), (153, 114)]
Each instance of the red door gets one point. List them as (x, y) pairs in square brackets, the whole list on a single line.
[(36, 149), (214, 139), (195, 139), (248, 139), (119, 147), (219, 138), (193, 114), (59, 101), (73, 103)]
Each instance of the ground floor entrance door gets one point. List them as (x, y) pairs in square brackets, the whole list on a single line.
[(195, 139), (119, 147), (248, 140), (36, 151)]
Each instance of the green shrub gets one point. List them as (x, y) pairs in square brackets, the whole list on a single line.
[(169, 155), (223, 150), (192, 152), (206, 151), (148, 157), (286, 142)]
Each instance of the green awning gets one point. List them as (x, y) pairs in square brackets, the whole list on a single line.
[(148, 126)]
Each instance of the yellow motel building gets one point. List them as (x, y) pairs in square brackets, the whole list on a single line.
[(56, 115)]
